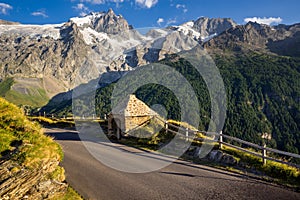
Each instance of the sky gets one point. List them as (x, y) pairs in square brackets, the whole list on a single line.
[(152, 13)]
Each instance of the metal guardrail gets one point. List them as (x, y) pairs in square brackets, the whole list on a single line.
[(262, 153)]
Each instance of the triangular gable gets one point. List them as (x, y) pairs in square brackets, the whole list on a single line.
[(132, 106)]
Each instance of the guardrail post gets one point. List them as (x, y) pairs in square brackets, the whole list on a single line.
[(264, 154), (187, 134), (166, 127), (221, 140)]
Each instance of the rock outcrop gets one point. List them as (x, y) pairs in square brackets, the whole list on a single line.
[(259, 37), (206, 26), (4, 22), (203, 29), (18, 182)]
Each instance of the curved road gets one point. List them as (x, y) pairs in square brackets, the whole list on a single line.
[(180, 180)]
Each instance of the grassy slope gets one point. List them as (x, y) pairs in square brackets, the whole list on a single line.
[(35, 96), (5, 86), (34, 148), (15, 128)]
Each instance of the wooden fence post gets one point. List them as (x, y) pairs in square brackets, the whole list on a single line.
[(264, 154), (166, 127), (221, 140), (187, 134)]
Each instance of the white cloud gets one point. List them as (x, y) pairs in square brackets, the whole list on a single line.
[(82, 9), (94, 1), (182, 6), (39, 13), (160, 20), (264, 20), (100, 1), (146, 3), (80, 6), (171, 21), (4, 8)]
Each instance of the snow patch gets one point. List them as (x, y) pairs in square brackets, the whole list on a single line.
[(189, 24), (187, 29), (88, 19), (91, 36), (205, 39), (33, 31)]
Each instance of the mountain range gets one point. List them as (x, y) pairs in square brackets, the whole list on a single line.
[(48, 58), (259, 64)]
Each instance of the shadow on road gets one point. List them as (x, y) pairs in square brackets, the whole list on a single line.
[(67, 135), (71, 135)]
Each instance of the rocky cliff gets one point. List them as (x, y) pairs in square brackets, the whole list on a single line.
[(203, 29)]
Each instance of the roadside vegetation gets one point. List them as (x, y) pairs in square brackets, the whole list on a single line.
[(262, 97), (53, 122), (281, 173), (23, 142), (18, 132), (246, 163)]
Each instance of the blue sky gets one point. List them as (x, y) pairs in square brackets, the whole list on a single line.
[(148, 13)]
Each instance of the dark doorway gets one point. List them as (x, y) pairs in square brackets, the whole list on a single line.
[(116, 124)]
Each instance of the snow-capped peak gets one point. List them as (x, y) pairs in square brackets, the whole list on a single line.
[(189, 24), (187, 29), (87, 19)]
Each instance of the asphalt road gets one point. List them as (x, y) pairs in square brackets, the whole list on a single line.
[(180, 180)]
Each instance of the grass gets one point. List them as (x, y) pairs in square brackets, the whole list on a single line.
[(17, 132), (281, 173), (36, 97), (59, 123), (23, 141), (71, 194), (58, 174), (5, 86)]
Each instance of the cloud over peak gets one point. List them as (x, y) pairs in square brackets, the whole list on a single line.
[(182, 6), (146, 3), (160, 20), (100, 1), (264, 20), (4, 8), (40, 14), (142, 3), (82, 9)]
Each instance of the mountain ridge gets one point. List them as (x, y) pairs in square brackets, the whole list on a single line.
[(65, 55), (103, 44), (259, 64)]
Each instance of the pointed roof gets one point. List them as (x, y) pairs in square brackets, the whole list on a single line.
[(134, 107)]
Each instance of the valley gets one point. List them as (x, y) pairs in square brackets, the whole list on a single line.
[(211, 74)]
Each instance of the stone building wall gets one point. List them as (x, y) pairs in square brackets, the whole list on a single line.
[(133, 122), (129, 114)]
